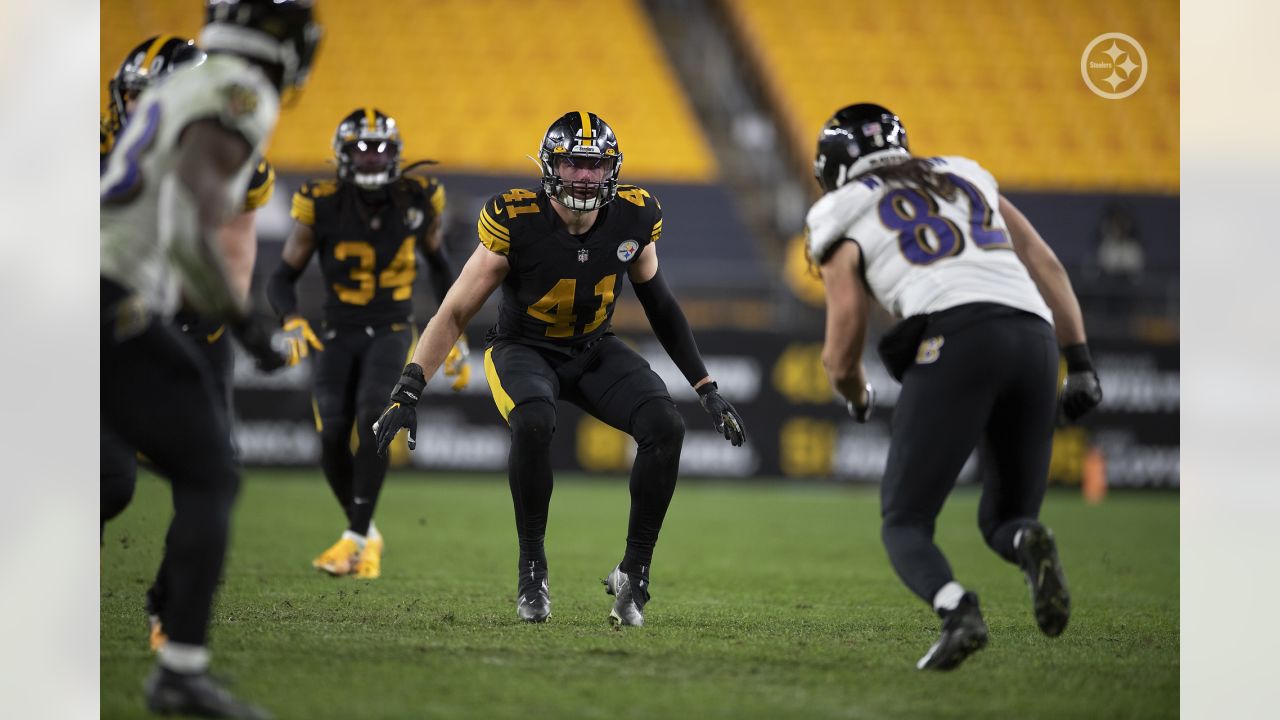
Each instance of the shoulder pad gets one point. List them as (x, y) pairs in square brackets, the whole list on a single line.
[(260, 187), (429, 188), (304, 201), (498, 214), (647, 205), (830, 218)]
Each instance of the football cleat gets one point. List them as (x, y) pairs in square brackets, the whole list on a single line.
[(630, 593), (170, 692), (339, 559), (1038, 557), (963, 634), (369, 566), (533, 603)]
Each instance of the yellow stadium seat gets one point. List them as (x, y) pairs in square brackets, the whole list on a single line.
[(471, 82)]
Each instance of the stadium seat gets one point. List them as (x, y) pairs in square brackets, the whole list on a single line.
[(999, 82), (473, 83)]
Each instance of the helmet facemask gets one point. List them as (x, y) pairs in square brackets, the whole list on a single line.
[(580, 181), (368, 156)]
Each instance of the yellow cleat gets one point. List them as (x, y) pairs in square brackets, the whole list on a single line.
[(157, 637), (340, 559), (370, 565)]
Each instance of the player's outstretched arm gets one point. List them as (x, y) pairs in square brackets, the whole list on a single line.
[(298, 249), (482, 274), (847, 309), (1081, 391), (441, 274), (671, 328)]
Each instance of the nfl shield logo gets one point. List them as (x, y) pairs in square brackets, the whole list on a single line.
[(582, 255)]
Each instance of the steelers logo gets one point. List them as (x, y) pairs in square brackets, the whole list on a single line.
[(1114, 66), (627, 249)]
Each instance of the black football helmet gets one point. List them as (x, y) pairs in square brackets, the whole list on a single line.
[(856, 139), (580, 139), (367, 146), (151, 59), (275, 32)]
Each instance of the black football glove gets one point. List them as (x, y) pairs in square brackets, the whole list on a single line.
[(1081, 391), (254, 331), (726, 420), (403, 410), (862, 414)]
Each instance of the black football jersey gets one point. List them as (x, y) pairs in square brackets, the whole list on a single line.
[(562, 289), (261, 184), (368, 251)]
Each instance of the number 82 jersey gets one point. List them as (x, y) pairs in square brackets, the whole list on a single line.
[(922, 253), (561, 289)]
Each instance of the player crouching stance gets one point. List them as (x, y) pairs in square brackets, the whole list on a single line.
[(560, 255), (930, 238)]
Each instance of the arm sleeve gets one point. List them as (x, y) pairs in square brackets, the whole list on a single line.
[(280, 290), (440, 271), (671, 327)]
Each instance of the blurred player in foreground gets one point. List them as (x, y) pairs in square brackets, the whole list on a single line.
[(367, 226), (178, 172), (560, 255), (980, 295), (147, 63)]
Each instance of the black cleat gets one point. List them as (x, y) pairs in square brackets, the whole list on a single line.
[(963, 634), (533, 603), (1038, 557), (173, 693)]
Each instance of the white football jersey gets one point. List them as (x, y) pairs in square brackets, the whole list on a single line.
[(138, 247), (922, 254)]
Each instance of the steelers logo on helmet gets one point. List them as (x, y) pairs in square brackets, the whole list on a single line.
[(580, 160), (367, 147), (856, 139)]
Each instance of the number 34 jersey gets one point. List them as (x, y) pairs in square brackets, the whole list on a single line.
[(367, 243), (922, 253), (561, 289)]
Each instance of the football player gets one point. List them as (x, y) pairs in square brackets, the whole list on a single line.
[(368, 226), (560, 255), (151, 60), (981, 296), (178, 172)]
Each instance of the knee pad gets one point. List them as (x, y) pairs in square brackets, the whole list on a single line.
[(657, 424), (532, 422)]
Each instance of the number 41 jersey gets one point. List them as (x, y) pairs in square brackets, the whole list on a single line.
[(922, 253), (561, 289)]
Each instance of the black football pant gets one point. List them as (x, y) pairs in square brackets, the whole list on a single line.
[(614, 384), (994, 380), (119, 463), (355, 374), (157, 397)]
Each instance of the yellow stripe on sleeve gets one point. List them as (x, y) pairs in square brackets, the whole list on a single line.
[(489, 239), (437, 200), (493, 225), (656, 232), (304, 209), (500, 396), (258, 196)]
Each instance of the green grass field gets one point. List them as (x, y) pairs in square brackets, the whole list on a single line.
[(769, 601)]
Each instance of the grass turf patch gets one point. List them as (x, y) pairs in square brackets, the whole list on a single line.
[(769, 601)]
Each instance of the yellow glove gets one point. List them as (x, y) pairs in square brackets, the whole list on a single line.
[(299, 339), (455, 364)]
